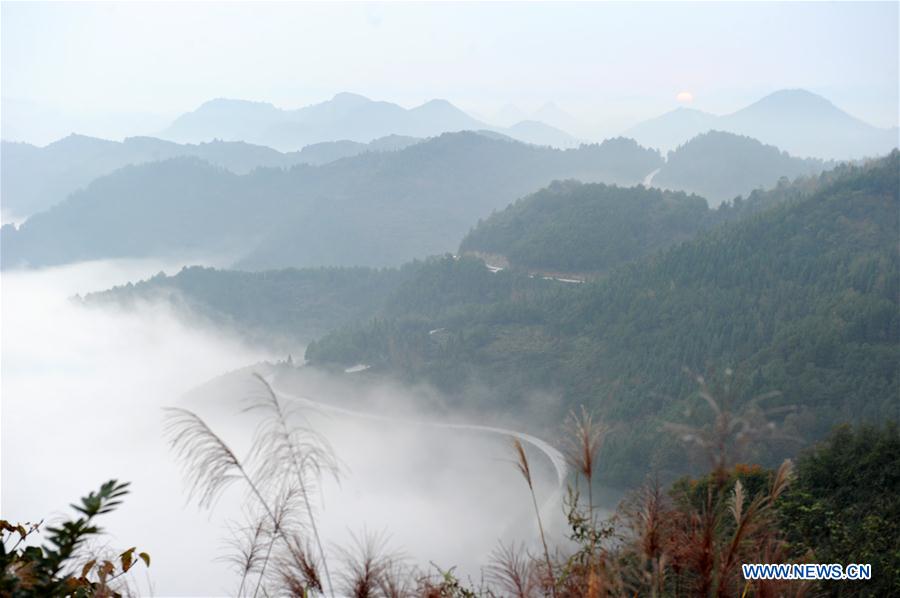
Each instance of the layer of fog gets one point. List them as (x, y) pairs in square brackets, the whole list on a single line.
[(7, 217), (82, 393)]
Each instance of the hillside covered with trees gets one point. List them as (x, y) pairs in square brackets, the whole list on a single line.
[(568, 226), (800, 299), (290, 305), (575, 227), (586, 230)]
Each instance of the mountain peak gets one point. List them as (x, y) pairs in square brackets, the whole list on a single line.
[(440, 108), (686, 110), (795, 94), (438, 103), (348, 98), (219, 103), (797, 121), (795, 101), (76, 140), (553, 115)]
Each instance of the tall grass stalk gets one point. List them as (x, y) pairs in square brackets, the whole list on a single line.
[(211, 465), (583, 441), (525, 469), (284, 443)]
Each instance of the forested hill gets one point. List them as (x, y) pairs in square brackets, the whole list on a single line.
[(567, 225), (290, 306), (801, 298), (374, 209), (720, 166), (586, 230)]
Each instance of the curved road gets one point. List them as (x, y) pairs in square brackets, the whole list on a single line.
[(556, 458), (648, 180)]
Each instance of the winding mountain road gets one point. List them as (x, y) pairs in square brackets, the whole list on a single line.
[(648, 180), (556, 458)]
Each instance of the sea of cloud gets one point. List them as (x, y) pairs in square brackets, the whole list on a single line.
[(83, 392)]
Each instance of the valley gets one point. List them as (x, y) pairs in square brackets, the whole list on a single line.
[(449, 300)]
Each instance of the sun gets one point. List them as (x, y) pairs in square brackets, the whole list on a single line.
[(684, 97)]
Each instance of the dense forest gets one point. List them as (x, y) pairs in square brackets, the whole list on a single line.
[(394, 206), (575, 227), (588, 229), (555, 229), (800, 299), (289, 305)]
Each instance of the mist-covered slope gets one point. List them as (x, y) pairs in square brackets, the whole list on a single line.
[(720, 166), (35, 178), (390, 211), (673, 128), (801, 299), (288, 305), (795, 120), (345, 116), (586, 230), (373, 209)]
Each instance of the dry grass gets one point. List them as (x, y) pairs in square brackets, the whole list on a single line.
[(658, 543), (290, 452), (209, 463), (524, 468), (298, 571), (583, 441), (371, 569), (730, 435), (512, 572), (281, 474)]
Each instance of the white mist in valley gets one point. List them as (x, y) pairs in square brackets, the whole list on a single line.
[(83, 390)]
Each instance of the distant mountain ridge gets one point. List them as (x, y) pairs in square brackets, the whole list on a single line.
[(797, 121), (345, 116), (32, 178), (550, 114), (373, 209)]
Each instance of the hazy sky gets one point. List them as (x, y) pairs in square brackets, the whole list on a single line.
[(609, 64)]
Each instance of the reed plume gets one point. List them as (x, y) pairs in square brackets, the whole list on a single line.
[(246, 544), (368, 566), (292, 451), (298, 571), (209, 463), (524, 468), (511, 570), (731, 432), (211, 466), (582, 447), (284, 464)]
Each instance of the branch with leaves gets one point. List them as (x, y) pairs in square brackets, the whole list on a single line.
[(50, 570)]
